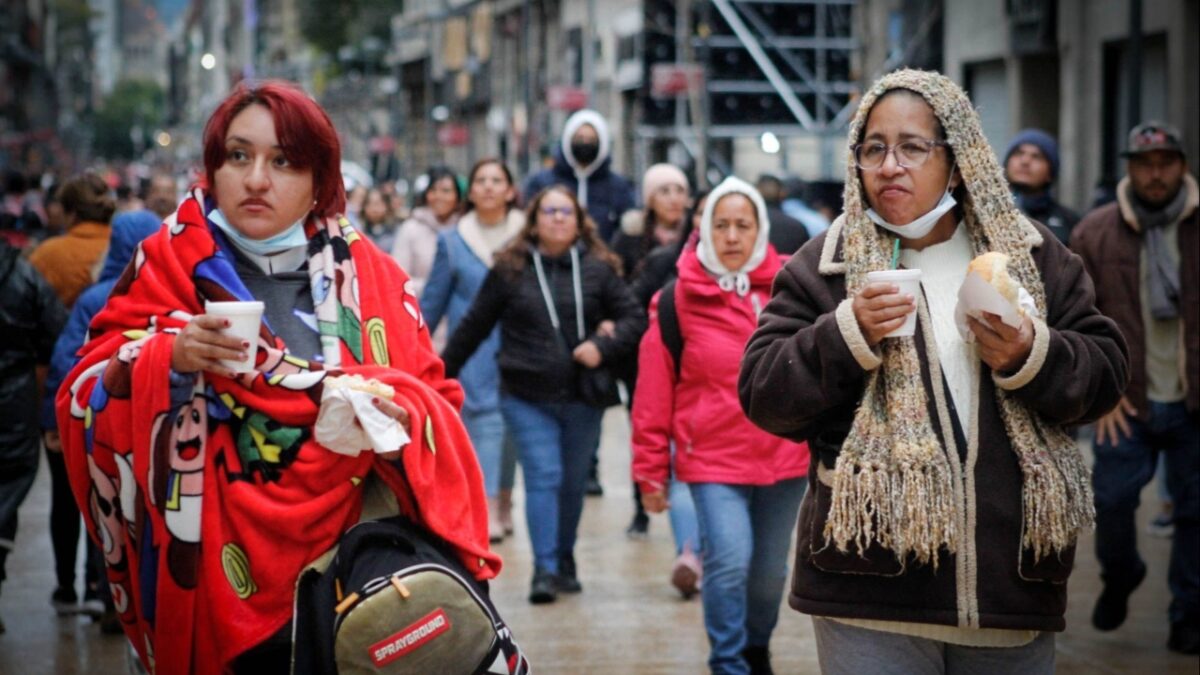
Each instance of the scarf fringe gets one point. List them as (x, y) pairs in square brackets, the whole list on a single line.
[(908, 509), (1057, 500)]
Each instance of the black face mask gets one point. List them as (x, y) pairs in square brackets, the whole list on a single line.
[(585, 153)]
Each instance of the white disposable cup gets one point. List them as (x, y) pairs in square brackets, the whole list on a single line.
[(245, 319), (909, 282)]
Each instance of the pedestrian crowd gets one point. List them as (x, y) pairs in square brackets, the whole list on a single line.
[(786, 390)]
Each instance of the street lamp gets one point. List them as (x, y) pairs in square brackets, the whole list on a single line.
[(208, 61), (769, 142)]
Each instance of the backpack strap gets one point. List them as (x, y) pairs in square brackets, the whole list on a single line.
[(668, 325)]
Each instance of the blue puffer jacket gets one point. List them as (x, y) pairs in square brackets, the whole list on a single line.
[(128, 230), (453, 283)]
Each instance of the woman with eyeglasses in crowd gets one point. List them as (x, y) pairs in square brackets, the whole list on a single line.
[(549, 291), (946, 490)]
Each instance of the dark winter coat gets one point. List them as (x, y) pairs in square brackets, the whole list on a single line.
[(802, 379), (1110, 242), (535, 364), (30, 318), (1057, 218), (609, 193)]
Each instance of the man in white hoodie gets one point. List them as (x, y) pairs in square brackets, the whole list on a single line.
[(583, 163)]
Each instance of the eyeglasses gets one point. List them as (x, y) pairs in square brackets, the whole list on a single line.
[(551, 211), (909, 154)]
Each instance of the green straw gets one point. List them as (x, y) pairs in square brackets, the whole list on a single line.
[(896, 254)]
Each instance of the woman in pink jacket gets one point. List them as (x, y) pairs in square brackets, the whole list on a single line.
[(746, 484)]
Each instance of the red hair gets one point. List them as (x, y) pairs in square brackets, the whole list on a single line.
[(305, 133)]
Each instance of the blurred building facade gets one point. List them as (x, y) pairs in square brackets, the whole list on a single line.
[(1062, 66), (716, 86)]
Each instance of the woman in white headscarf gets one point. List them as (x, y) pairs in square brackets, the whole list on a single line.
[(746, 484)]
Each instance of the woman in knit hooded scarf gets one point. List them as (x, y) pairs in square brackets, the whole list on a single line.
[(946, 493)]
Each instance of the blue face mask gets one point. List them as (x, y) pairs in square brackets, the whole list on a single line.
[(290, 238)]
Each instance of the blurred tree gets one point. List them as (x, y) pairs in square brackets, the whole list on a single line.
[(331, 26), (127, 120)]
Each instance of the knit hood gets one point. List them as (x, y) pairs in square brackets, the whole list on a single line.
[(733, 279)]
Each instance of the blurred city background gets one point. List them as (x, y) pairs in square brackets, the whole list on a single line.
[(719, 86)]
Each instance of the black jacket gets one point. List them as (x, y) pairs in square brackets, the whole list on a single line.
[(30, 319), (1043, 208), (535, 364), (787, 234)]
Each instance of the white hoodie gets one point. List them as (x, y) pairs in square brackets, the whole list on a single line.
[(578, 119)]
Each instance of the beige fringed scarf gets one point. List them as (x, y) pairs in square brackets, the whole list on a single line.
[(894, 482)]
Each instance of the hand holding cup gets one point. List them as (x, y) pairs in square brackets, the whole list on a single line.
[(886, 309)]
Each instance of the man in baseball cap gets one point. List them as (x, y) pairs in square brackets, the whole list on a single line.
[(1150, 136), (1143, 253)]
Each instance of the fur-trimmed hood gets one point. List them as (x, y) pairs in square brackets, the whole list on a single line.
[(1127, 214)]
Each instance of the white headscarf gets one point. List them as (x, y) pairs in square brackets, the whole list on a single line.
[(733, 280)]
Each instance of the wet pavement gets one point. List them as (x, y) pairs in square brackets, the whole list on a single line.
[(627, 620)]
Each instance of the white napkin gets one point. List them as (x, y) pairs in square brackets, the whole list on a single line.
[(977, 296), (349, 423)]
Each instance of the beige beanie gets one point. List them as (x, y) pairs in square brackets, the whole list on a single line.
[(660, 175)]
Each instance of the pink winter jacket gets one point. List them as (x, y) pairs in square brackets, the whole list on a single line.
[(714, 441)]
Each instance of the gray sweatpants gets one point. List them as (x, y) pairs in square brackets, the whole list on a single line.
[(849, 650)]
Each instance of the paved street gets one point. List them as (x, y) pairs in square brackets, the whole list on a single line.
[(627, 620)]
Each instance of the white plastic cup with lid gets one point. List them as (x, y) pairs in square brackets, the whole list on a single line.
[(909, 283), (245, 319)]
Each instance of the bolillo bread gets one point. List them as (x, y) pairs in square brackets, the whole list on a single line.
[(358, 383), (992, 267)]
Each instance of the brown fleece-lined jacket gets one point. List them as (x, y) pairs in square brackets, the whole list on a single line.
[(1110, 242), (802, 377)]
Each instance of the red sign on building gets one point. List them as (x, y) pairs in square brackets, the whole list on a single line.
[(668, 80), (452, 134), (570, 99)]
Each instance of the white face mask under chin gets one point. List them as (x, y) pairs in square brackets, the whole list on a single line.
[(922, 225)]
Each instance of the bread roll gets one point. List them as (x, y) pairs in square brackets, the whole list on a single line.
[(358, 383), (993, 268)]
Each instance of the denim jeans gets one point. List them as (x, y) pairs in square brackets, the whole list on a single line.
[(508, 463), (486, 430), (745, 533), (554, 444), (684, 527), (1120, 473)]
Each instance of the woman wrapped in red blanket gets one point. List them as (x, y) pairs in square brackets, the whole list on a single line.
[(206, 488)]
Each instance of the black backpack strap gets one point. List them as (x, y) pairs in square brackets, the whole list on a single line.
[(668, 324)]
